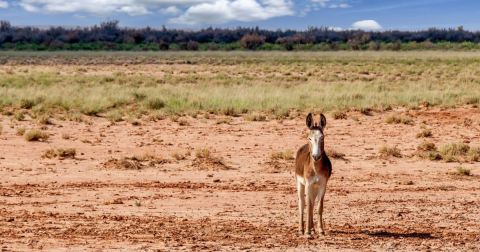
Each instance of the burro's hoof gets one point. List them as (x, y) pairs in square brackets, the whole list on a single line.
[(322, 233), (308, 235), (300, 232)]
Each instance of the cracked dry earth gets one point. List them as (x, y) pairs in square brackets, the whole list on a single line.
[(168, 203)]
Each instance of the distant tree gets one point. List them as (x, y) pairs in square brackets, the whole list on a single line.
[(109, 36), (164, 46), (252, 41), (192, 45), (5, 26), (373, 45)]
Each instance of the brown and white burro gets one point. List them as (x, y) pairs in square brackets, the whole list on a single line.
[(312, 171)]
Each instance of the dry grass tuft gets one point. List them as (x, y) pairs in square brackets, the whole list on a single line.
[(424, 133), (27, 103), (366, 111), (19, 116), (427, 146), (224, 120), (179, 156), (21, 131), (386, 151), (155, 103), (428, 150), (399, 119), (339, 115), (280, 162), (35, 135), (256, 117), (336, 154), (125, 163), (204, 160), (454, 151), (60, 153), (183, 121), (45, 120), (136, 162), (463, 171), (203, 153), (473, 154), (282, 155)]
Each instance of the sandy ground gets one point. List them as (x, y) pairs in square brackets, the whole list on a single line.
[(87, 203)]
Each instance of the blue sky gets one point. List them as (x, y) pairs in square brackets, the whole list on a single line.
[(271, 14)]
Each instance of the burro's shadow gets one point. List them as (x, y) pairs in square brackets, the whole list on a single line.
[(388, 234)]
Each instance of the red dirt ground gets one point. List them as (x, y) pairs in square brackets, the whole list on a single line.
[(238, 201)]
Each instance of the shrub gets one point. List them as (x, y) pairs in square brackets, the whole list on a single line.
[(424, 133), (256, 117), (473, 154), (283, 155), (396, 119), (454, 149), (35, 135), (66, 153), (366, 111), (428, 150), (203, 153), (463, 171), (337, 115), (183, 121), (21, 131), (454, 152), (179, 156), (432, 155), (27, 103), (45, 120), (336, 155), (19, 116), (386, 151), (155, 103), (427, 146)]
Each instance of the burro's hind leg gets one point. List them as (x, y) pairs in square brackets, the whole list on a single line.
[(321, 194), (301, 205)]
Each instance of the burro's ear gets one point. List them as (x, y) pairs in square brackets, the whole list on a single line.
[(309, 120), (323, 121)]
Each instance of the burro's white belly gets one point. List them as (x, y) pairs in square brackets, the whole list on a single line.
[(315, 180)]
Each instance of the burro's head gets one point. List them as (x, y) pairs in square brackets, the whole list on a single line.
[(315, 136)]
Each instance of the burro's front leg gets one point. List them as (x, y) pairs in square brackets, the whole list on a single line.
[(301, 206), (310, 204), (321, 194)]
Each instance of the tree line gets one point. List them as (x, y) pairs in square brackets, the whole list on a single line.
[(110, 36)]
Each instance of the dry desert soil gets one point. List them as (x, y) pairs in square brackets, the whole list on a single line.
[(211, 184)]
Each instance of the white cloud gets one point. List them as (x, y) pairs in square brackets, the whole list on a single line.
[(186, 11), (222, 11), (332, 4), (340, 5), (171, 10), (322, 3), (3, 4), (367, 25)]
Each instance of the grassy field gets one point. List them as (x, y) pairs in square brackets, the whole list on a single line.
[(165, 83)]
